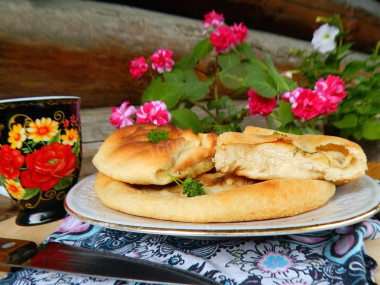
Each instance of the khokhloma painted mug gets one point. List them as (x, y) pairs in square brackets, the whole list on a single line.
[(40, 154)]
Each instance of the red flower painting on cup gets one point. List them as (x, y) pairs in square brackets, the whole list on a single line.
[(46, 166), (41, 156)]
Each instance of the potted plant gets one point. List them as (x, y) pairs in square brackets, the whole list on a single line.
[(331, 98)]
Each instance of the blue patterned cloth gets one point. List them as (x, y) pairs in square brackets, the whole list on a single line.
[(328, 257)]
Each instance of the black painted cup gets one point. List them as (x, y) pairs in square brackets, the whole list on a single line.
[(40, 154)]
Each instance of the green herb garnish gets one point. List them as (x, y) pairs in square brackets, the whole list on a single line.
[(156, 136), (190, 187), (280, 134)]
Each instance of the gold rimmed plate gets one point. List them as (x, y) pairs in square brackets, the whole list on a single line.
[(352, 203)]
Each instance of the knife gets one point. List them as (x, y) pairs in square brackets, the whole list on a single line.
[(60, 257)]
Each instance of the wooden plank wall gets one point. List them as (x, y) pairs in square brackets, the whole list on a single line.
[(83, 48)]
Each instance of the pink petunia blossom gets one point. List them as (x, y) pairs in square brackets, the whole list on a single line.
[(308, 104), (213, 19), (138, 67), (121, 117), (241, 31), (324, 38), (223, 39), (154, 112), (259, 105), (332, 89), (162, 61)]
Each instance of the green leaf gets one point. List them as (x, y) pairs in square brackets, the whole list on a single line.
[(352, 68), (29, 193), (227, 103), (176, 75), (332, 61), (245, 50), (187, 62), (209, 120), (233, 77), (364, 109), (202, 48), (190, 76), (56, 138), (292, 85), (291, 129), (31, 145), (242, 89), (64, 182), (285, 112), (279, 80), (228, 60), (168, 92), (186, 119), (250, 67), (345, 47), (311, 131), (76, 149), (262, 83), (196, 91), (219, 129), (371, 130), (221, 116), (224, 102), (212, 104), (258, 63), (348, 121)]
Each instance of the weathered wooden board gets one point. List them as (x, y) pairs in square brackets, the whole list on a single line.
[(83, 48)]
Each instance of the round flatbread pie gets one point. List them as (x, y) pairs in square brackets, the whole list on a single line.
[(229, 198), (128, 155)]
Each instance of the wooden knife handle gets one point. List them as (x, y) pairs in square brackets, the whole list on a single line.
[(16, 251)]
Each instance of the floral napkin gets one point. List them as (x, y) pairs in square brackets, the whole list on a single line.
[(328, 257)]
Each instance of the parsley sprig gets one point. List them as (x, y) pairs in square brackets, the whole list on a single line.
[(156, 136), (189, 186)]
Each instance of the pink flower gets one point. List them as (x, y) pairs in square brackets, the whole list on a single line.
[(332, 89), (137, 67), (154, 112), (259, 105), (161, 60), (223, 39), (213, 19), (308, 104), (240, 31), (292, 96), (121, 117)]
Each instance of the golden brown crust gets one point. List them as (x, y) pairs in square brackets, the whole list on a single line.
[(260, 153), (126, 155), (228, 199)]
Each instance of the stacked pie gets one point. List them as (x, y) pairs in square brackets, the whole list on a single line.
[(255, 175)]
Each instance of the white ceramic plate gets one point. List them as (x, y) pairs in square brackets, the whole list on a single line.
[(351, 203)]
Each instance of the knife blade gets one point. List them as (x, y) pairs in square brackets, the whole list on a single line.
[(64, 258)]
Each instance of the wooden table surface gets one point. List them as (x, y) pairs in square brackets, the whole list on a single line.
[(95, 127)]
